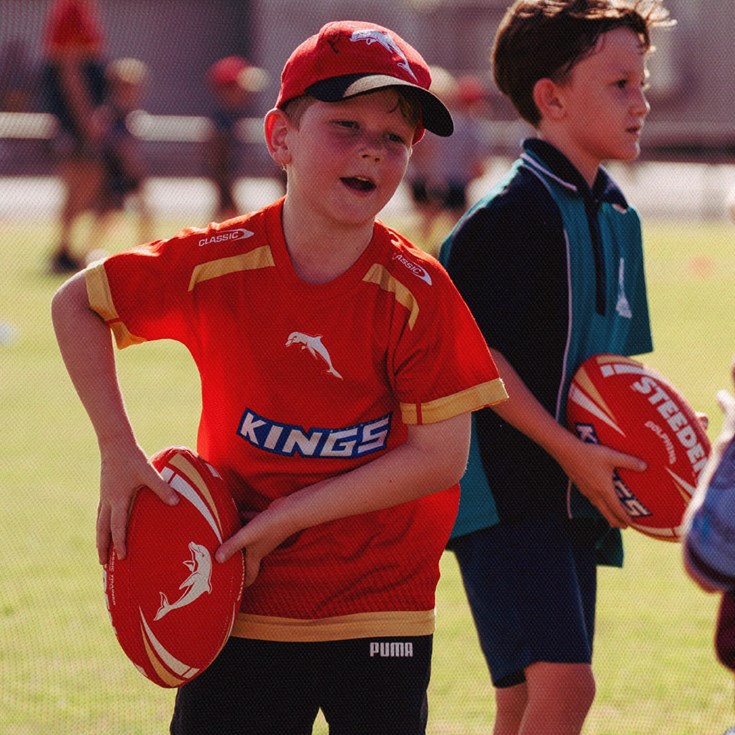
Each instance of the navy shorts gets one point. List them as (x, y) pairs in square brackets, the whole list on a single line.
[(371, 685), (532, 588)]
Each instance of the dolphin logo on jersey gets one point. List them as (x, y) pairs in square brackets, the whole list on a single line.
[(316, 348), (196, 584), (371, 36)]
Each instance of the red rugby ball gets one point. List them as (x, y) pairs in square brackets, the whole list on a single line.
[(624, 404), (171, 604)]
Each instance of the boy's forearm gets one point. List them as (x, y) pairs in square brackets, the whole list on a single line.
[(417, 468), (524, 412), (590, 467), (86, 347), (410, 471)]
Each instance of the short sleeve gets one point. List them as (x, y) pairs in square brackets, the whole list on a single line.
[(442, 364), (143, 294)]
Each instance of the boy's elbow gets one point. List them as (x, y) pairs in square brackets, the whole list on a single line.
[(443, 449), (456, 449), (457, 468), (451, 462), (68, 287), (69, 299), (59, 304), (444, 474)]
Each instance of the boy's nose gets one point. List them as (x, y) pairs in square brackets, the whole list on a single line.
[(372, 146), (641, 104)]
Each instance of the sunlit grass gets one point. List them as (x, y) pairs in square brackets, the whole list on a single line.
[(61, 670)]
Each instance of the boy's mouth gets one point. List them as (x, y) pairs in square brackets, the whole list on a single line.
[(358, 183)]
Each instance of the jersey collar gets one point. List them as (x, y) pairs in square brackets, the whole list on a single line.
[(551, 162)]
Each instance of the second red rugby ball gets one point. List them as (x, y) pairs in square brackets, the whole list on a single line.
[(626, 405), (171, 604)]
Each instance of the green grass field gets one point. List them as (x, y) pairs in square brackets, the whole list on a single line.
[(61, 670)]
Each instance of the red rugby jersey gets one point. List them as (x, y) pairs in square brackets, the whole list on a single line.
[(301, 382)]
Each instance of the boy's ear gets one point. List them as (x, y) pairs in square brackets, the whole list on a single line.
[(549, 99), (276, 128)]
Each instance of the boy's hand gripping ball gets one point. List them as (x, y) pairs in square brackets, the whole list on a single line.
[(171, 604), (623, 404)]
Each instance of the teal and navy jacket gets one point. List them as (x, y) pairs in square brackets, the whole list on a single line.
[(553, 273)]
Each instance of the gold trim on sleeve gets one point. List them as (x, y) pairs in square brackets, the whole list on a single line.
[(100, 301), (472, 399)]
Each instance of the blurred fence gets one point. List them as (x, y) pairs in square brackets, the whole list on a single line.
[(693, 175), (171, 143)]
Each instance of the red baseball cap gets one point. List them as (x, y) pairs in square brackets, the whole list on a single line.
[(347, 58)]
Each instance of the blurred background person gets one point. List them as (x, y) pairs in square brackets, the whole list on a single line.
[(441, 170), (74, 86), (124, 170), (232, 81), (17, 77)]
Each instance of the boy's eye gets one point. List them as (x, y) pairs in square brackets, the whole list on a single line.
[(395, 138), (623, 84)]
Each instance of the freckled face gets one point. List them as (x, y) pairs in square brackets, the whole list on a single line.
[(605, 100), (348, 157)]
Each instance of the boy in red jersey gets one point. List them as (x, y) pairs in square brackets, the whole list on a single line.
[(339, 367)]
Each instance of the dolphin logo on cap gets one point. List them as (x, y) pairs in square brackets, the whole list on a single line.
[(371, 36)]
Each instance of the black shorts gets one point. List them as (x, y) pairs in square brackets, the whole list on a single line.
[(371, 686), (450, 195), (532, 589)]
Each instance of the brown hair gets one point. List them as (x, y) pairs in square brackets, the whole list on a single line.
[(540, 39), (408, 105)]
